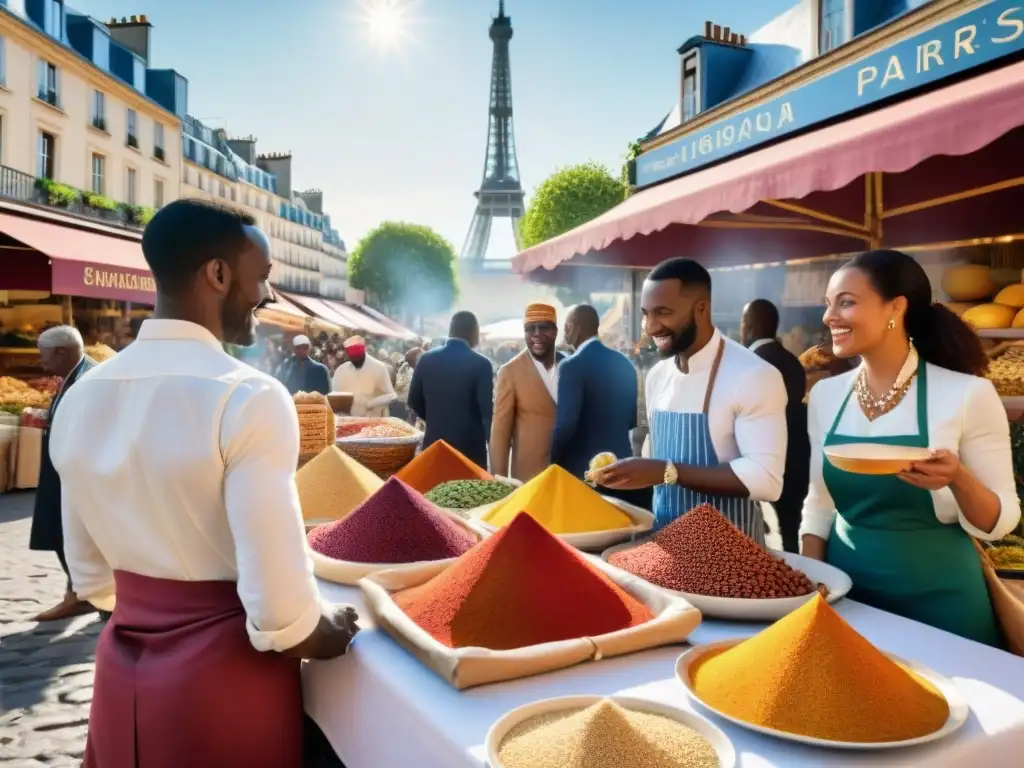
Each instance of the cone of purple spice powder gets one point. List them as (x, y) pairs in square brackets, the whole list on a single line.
[(395, 526)]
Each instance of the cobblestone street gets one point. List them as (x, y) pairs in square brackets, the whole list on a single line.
[(46, 671)]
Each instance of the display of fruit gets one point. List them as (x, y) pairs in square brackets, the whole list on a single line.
[(1006, 371), (1011, 296), (990, 316), (968, 282)]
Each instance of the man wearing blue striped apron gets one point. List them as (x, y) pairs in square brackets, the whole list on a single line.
[(717, 411)]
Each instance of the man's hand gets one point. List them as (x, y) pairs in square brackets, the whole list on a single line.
[(631, 474), (332, 636)]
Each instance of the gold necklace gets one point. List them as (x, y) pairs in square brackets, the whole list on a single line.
[(872, 406)]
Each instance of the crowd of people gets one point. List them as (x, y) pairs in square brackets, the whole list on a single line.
[(174, 467)]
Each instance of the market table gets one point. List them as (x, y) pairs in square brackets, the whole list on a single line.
[(380, 708)]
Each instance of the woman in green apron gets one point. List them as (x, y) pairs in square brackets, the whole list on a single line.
[(905, 539)]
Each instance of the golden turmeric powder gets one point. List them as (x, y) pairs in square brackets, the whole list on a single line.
[(812, 674)]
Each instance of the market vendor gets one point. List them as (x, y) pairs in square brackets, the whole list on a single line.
[(366, 378), (300, 372), (178, 470), (905, 540), (717, 411)]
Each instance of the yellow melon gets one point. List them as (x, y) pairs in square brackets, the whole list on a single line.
[(1012, 296), (968, 282), (988, 316), (957, 307), (1018, 321)]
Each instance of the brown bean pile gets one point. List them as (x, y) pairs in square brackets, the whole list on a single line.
[(702, 553)]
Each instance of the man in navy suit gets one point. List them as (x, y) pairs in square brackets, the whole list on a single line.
[(597, 402), (452, 390)]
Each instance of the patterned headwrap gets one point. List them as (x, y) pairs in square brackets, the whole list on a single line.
[(540, 313)]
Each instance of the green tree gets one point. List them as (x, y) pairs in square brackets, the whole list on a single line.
[(569, 197), (408, 269)]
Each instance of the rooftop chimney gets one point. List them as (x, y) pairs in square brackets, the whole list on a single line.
[(723, 35), (132, 33)]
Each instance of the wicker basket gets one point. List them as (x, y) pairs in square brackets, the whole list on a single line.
[(316, 427), (383, 455)]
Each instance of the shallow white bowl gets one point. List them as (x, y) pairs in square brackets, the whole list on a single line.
[(874, 459), (500, 729), (595, 541), (768, 609), (958, 709)]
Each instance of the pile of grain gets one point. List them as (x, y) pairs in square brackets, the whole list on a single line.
[(605, 735), (810, 673), (332, 485), (440, 463), (562, 504), (702, 553), (395, 525), (520, 587)]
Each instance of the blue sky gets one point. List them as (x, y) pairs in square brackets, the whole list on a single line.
[(399, 133)]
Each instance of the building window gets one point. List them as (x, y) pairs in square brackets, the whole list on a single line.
[(3, 61), (98, 162), (158, 193), (53, 19), (99, 110), (831, 24), (132, 130), (132, 188), (47, 155), (49, 83), (158, 141), (691, 87)]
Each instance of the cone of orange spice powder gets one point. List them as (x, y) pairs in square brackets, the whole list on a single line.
[(440, 463), (520, 587), (810, 673)]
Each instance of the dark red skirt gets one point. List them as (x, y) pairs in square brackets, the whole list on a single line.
[(178, 684)]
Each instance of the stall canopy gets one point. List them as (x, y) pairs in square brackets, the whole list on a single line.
[(897, 177), (339, 314), (86, 263), (283, 313)]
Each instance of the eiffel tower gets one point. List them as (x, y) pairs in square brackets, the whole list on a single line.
[(501, 193)]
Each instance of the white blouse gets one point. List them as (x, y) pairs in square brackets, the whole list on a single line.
[(177, 461), (965, 417)]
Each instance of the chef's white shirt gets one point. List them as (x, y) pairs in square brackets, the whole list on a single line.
[(965, 417), (177, 461), (371, 385), (746, 415)]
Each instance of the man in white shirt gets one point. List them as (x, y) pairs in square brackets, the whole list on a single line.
[(717, 412), (177, 465), (367, 378)]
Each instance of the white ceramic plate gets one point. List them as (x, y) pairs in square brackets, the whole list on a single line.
[(595, 541), (500, 729), (769, 609), (874, 459), (958, 709)]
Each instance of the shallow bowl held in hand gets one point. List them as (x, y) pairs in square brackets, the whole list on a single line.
[(874, 459)]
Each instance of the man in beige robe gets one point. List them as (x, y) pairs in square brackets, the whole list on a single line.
[(524, 404)]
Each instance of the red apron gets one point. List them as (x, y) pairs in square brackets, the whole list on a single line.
[(179, 684)]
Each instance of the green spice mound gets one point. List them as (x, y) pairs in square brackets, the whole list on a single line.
[(605, 735), (469, 494)]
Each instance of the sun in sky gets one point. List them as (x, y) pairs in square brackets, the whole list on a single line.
[(385, 21)]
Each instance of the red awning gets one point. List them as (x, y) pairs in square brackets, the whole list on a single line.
[(85, 263), (954, 121)]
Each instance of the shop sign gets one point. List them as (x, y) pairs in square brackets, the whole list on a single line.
[(983, 35), (102, 281)]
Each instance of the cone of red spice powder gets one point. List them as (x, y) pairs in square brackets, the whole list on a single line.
[(394, 525), (440, 463), (520, 587)]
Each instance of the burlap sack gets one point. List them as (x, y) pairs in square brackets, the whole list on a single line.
[(1007, 597), (347, 572), (465, 668), (29, 457)]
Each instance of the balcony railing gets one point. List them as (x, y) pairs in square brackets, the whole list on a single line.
[(133, 141), (25, 188), (158, 153)]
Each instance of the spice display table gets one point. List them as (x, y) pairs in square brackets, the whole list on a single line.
[(379, 707)]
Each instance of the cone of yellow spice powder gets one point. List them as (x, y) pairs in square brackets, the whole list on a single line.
[(562, 504), (812, 674)]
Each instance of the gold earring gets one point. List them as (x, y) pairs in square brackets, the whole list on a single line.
[(892, 325)]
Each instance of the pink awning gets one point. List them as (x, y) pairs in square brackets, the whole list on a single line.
[(956, 120)]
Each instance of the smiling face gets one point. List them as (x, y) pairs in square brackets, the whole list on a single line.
[(857, 315), (248, 288), (540, 339), (672, 314)]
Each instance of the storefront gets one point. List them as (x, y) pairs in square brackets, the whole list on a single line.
[(909, 136)]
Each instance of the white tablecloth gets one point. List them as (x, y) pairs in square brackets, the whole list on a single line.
[(380, 708)]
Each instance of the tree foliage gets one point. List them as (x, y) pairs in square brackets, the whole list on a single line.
[(406, 268), (569, 197)]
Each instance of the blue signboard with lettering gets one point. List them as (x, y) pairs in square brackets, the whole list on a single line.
[(977, 37)]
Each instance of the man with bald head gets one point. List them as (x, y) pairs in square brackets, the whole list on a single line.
[(597, 401)]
